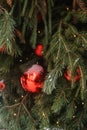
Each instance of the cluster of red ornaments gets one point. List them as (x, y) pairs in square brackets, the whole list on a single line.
[(32, 80), (68, 76)]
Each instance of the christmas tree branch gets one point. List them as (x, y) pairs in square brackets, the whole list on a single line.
[(21, 103), (33, 121), (83, 84), (7, 25), (59, 102)]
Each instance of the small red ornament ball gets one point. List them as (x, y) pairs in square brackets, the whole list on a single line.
[(68, 76), (2, 85), (32, 80), (39, 49), (2, 48)]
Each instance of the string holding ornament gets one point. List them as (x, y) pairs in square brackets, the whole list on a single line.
[(39, 14)]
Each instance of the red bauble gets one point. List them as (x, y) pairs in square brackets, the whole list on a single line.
[(2, 85), (39, 49), (32, 80), (68, 76), (3, 48)]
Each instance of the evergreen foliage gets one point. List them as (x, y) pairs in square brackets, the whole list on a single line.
[(61, 26)]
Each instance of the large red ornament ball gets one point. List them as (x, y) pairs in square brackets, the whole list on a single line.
[(2, 85), (39, 49), (68, 76), (32, 80)]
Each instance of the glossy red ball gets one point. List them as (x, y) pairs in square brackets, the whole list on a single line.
[(39, 49), (75, 78), (2, 48), (32, 80), (2, 85)]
